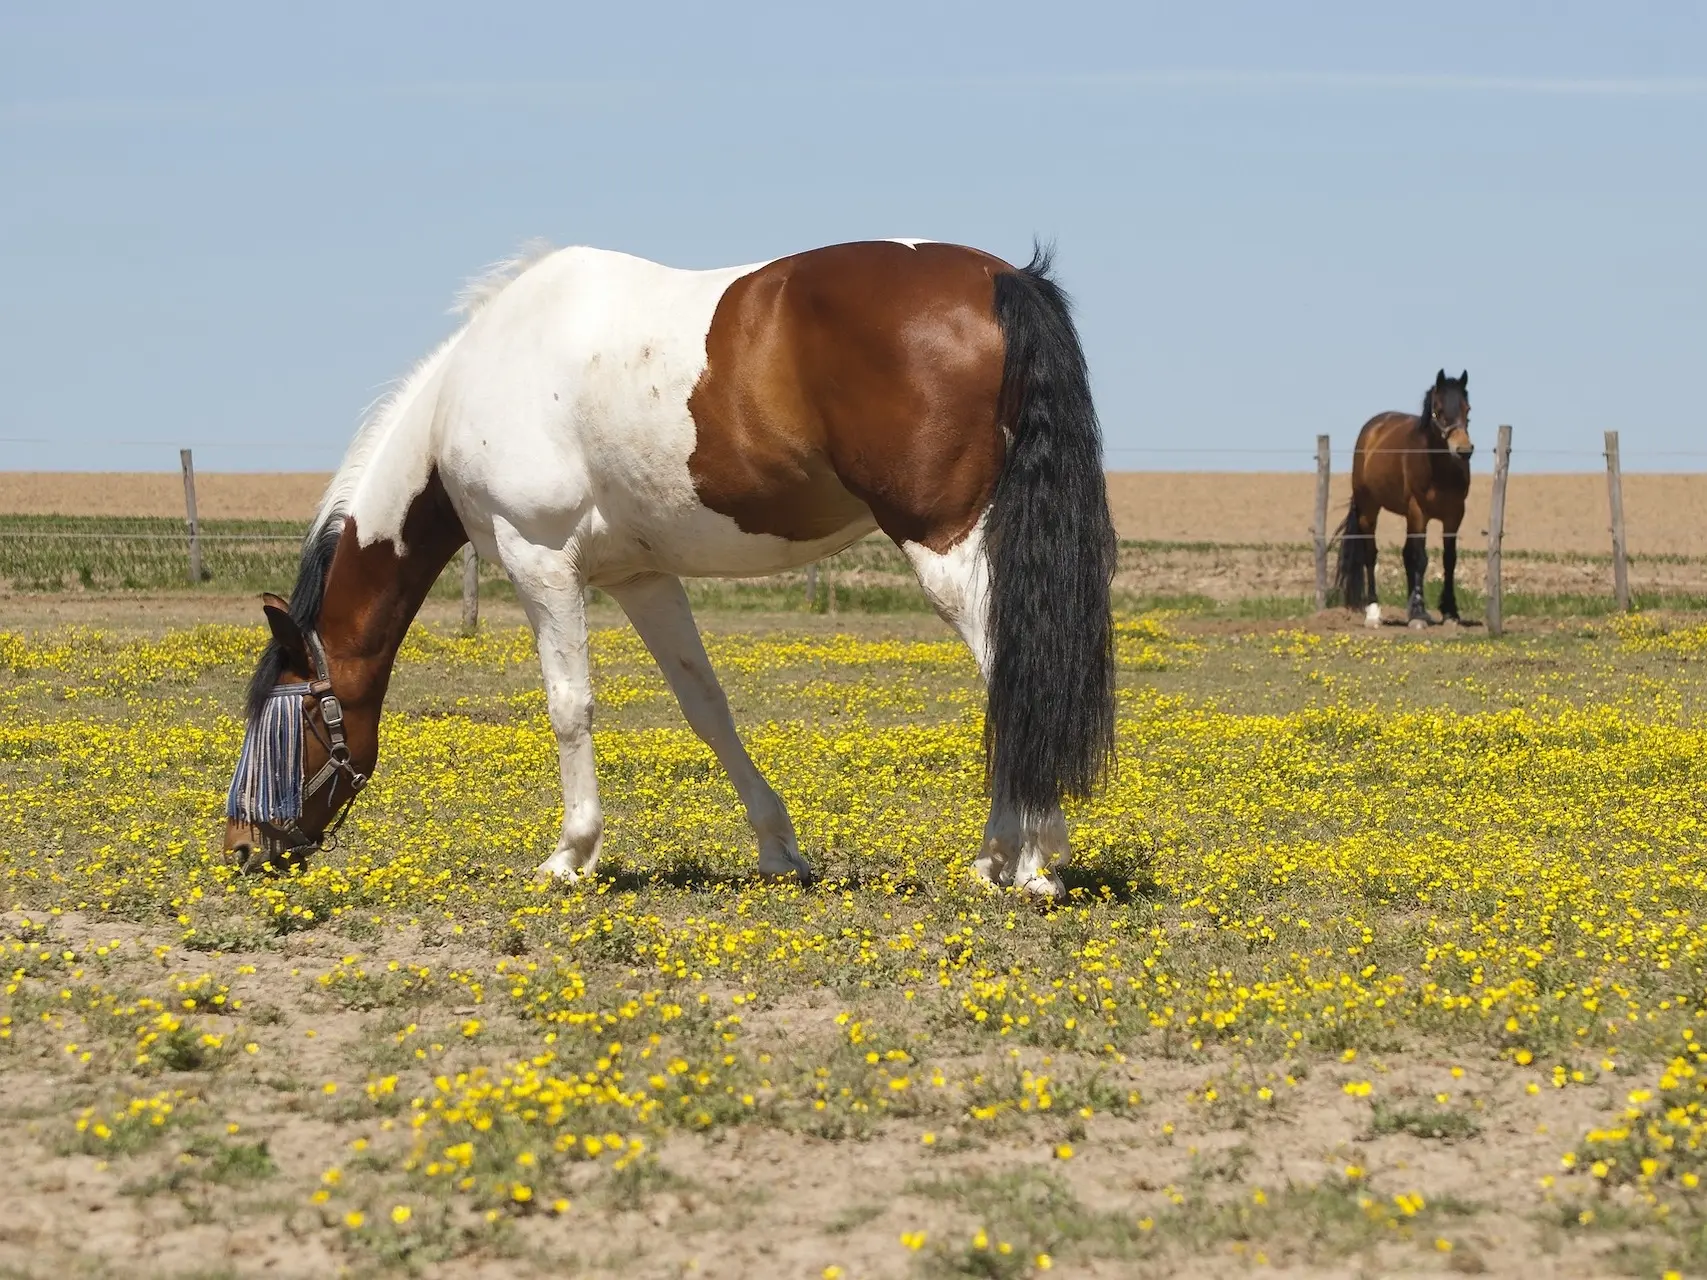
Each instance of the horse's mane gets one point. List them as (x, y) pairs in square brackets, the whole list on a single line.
[(382, 416)]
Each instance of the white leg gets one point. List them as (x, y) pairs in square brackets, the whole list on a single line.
[(551, 589), (659, 610), (1018, 849)]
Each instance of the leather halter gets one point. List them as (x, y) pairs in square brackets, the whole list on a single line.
[(337, 761)]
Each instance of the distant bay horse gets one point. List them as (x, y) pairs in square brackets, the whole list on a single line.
[(603, 420), (1418, 466)]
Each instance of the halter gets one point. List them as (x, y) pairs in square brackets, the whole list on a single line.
[(337, 761)]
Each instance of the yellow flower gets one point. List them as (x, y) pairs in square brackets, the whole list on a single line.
[(400, 1214), (1064, 1151), (354, 1219)]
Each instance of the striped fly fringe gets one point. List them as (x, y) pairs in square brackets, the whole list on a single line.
[(268, 783)]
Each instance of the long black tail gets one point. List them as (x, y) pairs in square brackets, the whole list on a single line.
[(1351, 568), (1049, 727)]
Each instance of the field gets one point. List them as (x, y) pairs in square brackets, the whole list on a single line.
[(1385, 953)]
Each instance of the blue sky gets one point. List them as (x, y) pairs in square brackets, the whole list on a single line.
[(230, 226)]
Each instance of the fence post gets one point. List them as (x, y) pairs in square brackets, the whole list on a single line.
[(1615, 495), (812, 586), (190, 515), (830, 590), (1323, 465), (1496, 532), (470, 590)]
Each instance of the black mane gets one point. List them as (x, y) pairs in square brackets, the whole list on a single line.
[(306, 598)]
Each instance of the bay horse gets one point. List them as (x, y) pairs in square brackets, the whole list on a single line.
[(603, 420), (1418, 466)]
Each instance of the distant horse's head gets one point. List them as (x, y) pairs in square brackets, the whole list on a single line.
[(295, 777), (1446, 412)]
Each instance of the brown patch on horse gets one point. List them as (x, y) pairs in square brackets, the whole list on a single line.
[(859, 377)]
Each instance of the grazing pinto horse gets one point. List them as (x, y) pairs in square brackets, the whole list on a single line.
[(1417, 465), (605, 420)]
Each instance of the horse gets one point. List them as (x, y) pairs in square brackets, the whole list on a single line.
[(1418, 466), (602, 420)]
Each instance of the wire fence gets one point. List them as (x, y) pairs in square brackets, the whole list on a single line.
[(50, 553)]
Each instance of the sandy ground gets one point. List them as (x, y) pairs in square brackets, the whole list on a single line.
[(1667, 514)]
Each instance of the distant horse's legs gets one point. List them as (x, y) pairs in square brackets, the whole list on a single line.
[(1018, 849), (550, 586), (1416, 563), (659, 610), (1449, 561)]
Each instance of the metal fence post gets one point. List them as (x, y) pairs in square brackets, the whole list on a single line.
[(1324, 465), (1615, 496), (190, 515), (470, 590), (1496, 532)]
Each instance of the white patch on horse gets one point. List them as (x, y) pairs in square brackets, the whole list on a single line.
[(912, 242)]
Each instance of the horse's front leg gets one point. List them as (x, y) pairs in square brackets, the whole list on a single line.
[(552, 591), (659, 610)]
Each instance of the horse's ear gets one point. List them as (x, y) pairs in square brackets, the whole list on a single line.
[(286, 633), (1464, 380), (1440, 378)]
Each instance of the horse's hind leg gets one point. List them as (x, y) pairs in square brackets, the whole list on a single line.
[(550, 586), (1416, 563), (1449, 563), (659, 610), (1018, 849)]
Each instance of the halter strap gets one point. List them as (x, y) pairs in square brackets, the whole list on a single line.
[(337, 749)]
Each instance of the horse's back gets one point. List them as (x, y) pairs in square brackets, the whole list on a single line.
[(733, 420)]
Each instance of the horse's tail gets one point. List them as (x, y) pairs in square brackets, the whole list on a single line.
[(1049, 726), (1351, 565)]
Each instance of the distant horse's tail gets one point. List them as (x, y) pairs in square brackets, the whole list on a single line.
[(1351, 569), (1049, 726)]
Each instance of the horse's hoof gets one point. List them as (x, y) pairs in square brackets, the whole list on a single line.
[(1418, 624), (557, 869), (781, 863), (1372, 616), (1044, 885)]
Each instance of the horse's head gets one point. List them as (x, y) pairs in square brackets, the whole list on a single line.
[(295, 778), (1448, 411)]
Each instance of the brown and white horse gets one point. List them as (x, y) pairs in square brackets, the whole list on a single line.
[(603, 420), (1417, 466)]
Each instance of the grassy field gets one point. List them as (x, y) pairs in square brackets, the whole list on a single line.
[(1386, 953)]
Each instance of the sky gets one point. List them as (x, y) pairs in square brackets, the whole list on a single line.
[(230, 226)]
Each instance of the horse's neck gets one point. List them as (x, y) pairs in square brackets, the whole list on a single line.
[(373, 593)]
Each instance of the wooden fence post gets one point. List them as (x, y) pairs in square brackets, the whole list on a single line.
[(1615, 495), (470, 590), (1324, 464), (190, 515), (812, 586), (1496, 532)]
